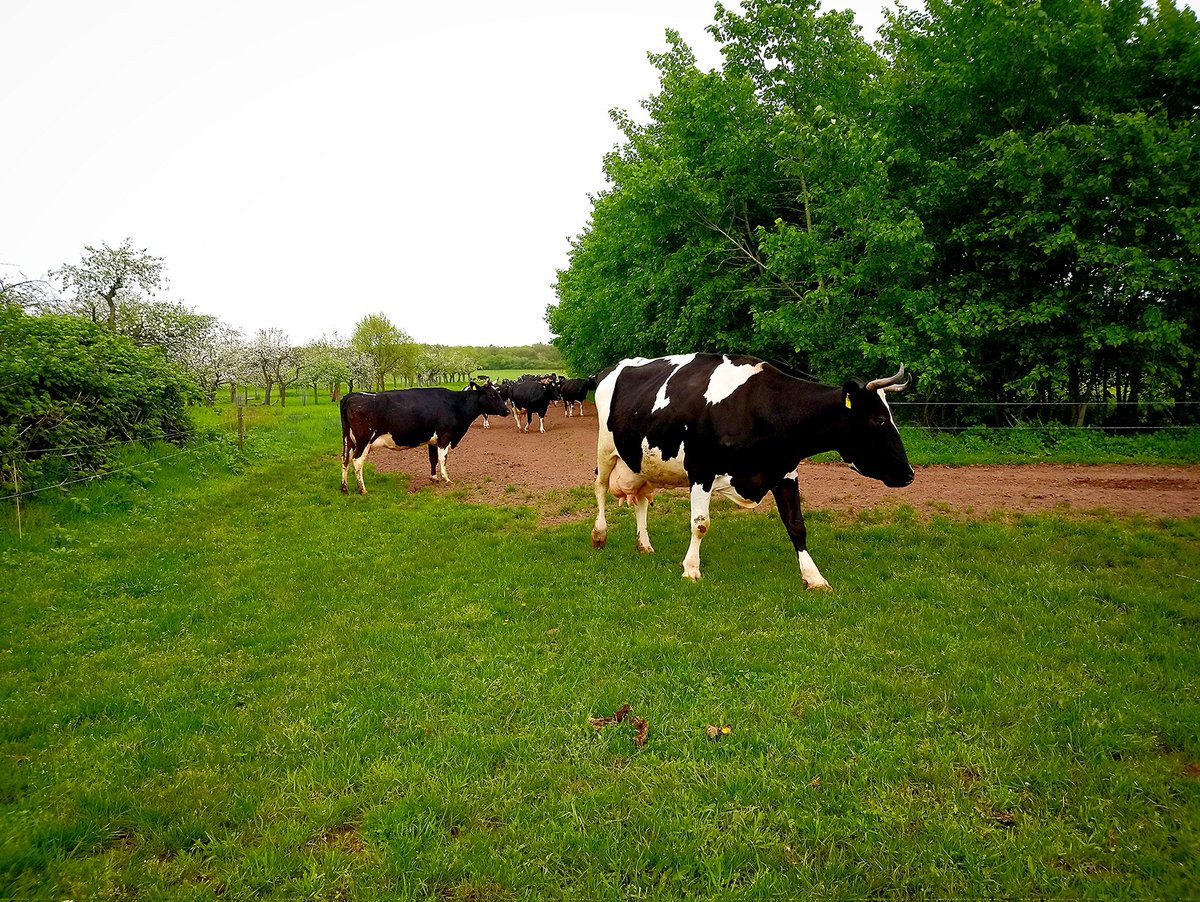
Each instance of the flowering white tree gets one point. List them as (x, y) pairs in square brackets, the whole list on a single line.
[(273, 361), (106, 279)]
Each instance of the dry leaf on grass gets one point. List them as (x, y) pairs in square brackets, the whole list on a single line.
[(717, 732), (640, 726), (643, 730), (601, 722)]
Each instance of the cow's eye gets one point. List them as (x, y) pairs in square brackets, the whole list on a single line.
[(880, 420)]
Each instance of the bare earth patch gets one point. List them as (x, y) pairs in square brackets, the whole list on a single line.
[(501, 465)]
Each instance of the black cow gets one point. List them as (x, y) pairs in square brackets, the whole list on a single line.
[(533, 396), (409, 418), (574, 391), (738, 427)]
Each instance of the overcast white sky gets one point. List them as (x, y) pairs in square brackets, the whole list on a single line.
[(301, 165)]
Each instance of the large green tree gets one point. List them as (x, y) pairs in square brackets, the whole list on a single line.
[(748, 213), (1050, 150), (1002, 195), (386, 348)]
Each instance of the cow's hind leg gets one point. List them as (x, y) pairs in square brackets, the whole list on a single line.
[(433, 462), (606, 460), (641, 507), (701, 499), (360, 458), (787, 502), (442, 452)]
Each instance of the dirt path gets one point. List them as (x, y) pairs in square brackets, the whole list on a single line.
[(489, 461)]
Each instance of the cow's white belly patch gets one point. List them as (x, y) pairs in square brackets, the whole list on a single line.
[(386, 441), (662, 472), (723, 486)]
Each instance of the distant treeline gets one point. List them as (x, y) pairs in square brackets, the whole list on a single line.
[(535, 358)]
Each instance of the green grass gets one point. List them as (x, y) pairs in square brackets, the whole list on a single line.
[(222, 678)]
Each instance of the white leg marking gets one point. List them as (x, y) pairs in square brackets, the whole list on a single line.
[(641, 507), (606, 459), (700, 521), (810, 574), (358, 467), (443, 453)]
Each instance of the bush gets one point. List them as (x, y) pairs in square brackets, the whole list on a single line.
[(71, 393)]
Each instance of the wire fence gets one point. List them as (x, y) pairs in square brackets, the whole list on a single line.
[(1108, 416), (904, 410)]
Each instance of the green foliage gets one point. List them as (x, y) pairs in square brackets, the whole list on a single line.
[(1058, 186), (385, 350), (268, 709), (1001, 195), (72, 392)]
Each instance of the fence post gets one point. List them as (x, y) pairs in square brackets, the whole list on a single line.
[(241, 409), (17, 489)]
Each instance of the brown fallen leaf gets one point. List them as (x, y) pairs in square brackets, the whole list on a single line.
[(619, 715), (643, 730), (717, 732), (640, 726), (815, 782)]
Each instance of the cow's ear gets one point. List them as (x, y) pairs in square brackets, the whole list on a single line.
[(851, 392)]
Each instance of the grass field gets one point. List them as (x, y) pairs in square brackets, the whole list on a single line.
[(221, 678)]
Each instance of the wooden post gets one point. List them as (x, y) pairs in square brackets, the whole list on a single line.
[(241, 428), (17, 489)]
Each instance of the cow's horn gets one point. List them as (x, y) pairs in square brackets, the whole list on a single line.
[(890, 383)]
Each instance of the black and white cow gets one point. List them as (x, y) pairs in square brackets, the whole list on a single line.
[(409, 418), (574, 391), (738, 427), (533, 396)]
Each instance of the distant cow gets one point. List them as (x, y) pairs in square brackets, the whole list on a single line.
[(738, 427), (409, 418), (574, 391), (533, 396)]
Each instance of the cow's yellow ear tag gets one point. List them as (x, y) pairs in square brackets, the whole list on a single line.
[(847, 402)]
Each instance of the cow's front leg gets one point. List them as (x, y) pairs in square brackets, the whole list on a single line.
[(701, 498), (787, 502), (443, 453), (541, 423), (433, 462)]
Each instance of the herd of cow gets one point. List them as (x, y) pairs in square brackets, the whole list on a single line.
[(534, 394), (727, 425)]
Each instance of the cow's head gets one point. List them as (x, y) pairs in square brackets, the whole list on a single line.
[(489, 398), (871, 442)]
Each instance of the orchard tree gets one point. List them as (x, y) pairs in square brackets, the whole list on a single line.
[(323, 363), (17, 290), (383, 345), (173, 327), (218, 357), (273, 361), (106, 278)]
